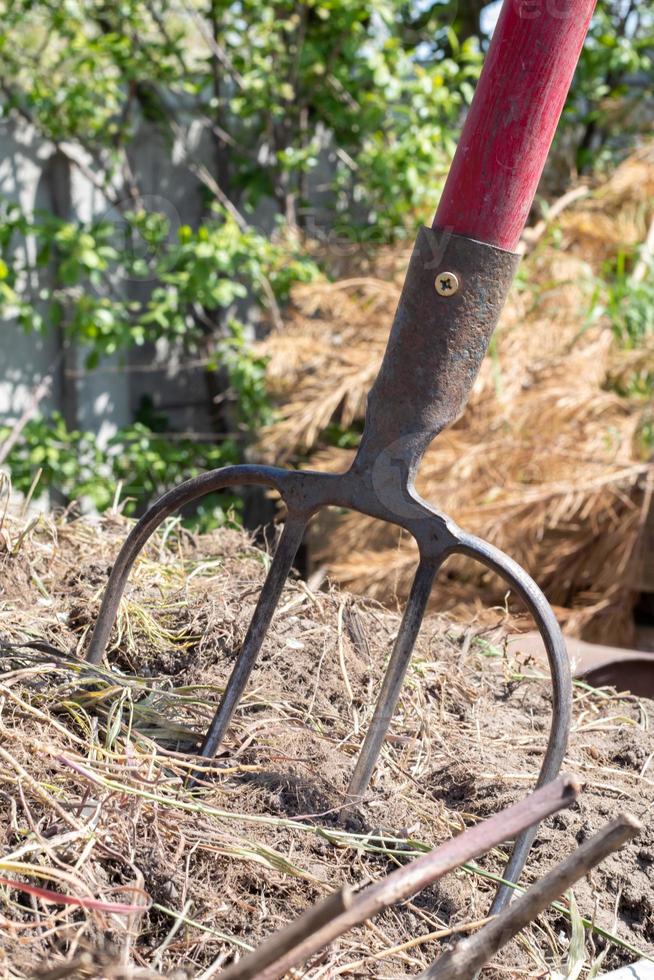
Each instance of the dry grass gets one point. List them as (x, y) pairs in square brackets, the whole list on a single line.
[(110, 867), (545, 462)]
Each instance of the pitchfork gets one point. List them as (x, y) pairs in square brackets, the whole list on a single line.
[(458, 278)]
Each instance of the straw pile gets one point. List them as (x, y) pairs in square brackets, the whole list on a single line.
[(546, 461), (110, 867)]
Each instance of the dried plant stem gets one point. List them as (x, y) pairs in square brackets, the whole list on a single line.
[(41, 390), (532, 235), (644, 263), (471, 954), (428, 937), (344, 910), (39, 791)]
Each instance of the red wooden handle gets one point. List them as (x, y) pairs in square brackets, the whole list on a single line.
[(512, 119)]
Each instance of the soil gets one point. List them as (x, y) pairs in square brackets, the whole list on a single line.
[(109, 750)]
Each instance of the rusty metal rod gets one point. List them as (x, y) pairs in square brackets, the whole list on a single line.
[(472, 953), (561, 678), (294, 944), (269, 597), (393, 679)]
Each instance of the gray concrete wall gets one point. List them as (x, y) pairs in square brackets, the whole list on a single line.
[(34, 175), (102, 400), (25, 358), (105, 398)]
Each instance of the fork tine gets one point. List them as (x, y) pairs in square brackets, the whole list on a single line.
[(548, 627), (282, 562), (394, 677), (173, 500), (559, 664)]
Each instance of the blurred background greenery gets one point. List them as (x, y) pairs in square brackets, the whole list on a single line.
[(324, 121)]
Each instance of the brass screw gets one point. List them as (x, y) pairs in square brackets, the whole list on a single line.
[(446, 283)]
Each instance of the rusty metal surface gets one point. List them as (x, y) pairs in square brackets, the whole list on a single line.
[(436, 346), (633, 673)]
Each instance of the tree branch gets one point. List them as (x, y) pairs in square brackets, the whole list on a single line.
[(216, 49)]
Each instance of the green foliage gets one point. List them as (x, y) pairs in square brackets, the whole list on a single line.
[(137, 463), (71, 67), (267, 81), (247, 379), (344, 438), (628, 307), (197, 275), (613, 78), (68, 460), (346, 68), (403, 158), (144, 459)]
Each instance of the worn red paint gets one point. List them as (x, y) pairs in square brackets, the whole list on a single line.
[(512, 119)]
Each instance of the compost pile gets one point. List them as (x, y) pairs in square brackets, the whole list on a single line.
[(110, 867), (547, 461)]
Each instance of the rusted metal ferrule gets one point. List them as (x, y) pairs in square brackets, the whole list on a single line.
[(437, 342)]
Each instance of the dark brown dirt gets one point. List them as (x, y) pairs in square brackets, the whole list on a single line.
[(466, 741)]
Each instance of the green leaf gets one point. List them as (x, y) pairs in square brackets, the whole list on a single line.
[(577, 948)]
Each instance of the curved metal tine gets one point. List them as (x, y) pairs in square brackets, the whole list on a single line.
[(394, 677), (282, 562), (540, 609), (281, 565), (142, 531)]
